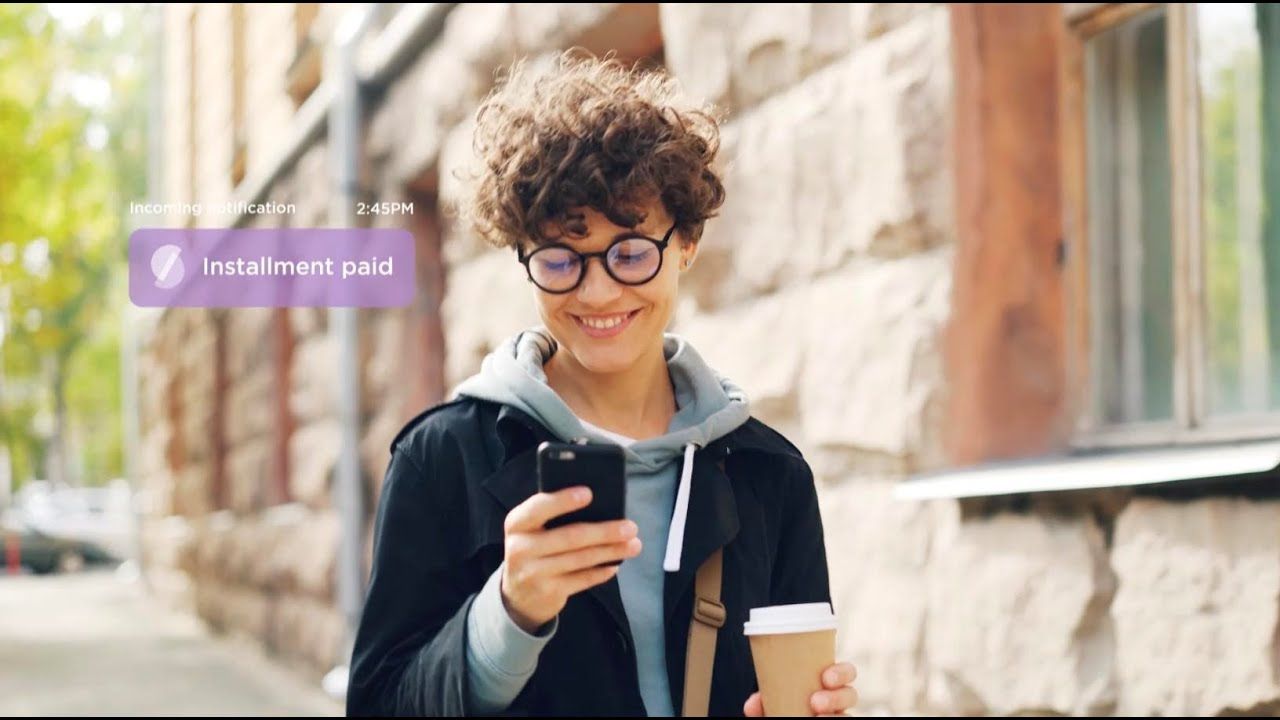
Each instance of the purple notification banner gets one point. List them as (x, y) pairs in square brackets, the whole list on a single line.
[(271, 267)]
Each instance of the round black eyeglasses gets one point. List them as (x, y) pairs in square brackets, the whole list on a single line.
[(631, 259)]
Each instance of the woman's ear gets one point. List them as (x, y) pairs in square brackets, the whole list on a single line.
[(687, 254)]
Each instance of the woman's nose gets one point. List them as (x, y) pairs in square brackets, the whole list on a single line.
[(598, 287)]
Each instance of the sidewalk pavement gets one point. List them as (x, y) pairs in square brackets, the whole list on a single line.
[(94, 643)]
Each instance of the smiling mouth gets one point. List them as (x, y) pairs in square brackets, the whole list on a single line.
[(604, 325)]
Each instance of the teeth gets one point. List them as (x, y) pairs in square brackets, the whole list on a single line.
[(603, 323)]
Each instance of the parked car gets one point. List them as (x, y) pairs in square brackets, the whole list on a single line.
[(42, 553), (101, 517)]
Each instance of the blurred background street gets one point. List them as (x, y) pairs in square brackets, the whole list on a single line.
[(97, 643)]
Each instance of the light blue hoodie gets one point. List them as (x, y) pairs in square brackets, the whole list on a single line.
[(500, 656)]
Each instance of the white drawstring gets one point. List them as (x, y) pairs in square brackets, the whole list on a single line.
[(675, 536)]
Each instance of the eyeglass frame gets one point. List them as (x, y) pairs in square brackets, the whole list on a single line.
[(584, 258)]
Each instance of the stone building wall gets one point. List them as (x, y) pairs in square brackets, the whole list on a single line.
[(824, 289)]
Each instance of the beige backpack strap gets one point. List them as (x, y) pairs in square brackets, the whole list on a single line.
[(708, 618)]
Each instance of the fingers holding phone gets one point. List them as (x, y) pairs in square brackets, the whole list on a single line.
[(548, 561), (544, 567), (586, 545)]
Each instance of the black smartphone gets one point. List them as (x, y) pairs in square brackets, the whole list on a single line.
[(599, 466)]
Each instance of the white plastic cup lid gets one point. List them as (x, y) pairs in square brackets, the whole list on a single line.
[(804, 617)]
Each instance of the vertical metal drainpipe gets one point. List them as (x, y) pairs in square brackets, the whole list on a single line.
[(348, 491), (130, 332)]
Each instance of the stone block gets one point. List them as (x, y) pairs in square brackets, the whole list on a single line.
[(871, 366), (313, 456), (1197, 615), (1017, 619), (313, 391)]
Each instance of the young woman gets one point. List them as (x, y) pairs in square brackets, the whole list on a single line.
[(599, 180)]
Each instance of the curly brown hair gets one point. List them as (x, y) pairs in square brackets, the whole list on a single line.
[(592, 133)]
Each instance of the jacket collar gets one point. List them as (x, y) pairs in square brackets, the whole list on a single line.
[(518, 437)]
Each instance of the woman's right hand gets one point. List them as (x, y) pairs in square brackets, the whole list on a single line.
[(544, 567)]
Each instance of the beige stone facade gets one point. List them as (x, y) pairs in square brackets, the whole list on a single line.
[(824, 289)]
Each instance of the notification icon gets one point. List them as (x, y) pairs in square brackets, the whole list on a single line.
[(167, 266)]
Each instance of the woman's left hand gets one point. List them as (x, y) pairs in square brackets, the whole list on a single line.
[(838, 696)]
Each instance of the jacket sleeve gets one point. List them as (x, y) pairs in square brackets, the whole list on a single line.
[(501, 656), (800, 567), (409, 656)]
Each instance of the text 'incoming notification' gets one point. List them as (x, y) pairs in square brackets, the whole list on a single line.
[(261, 267)]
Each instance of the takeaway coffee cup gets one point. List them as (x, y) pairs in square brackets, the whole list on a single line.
[(791, 645)]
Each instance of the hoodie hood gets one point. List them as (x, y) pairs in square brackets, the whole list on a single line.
[(708, 407)]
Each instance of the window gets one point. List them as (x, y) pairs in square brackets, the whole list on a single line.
[(239, 131), (192, 125), (1239, 75), (1172, 154), (220, 491), (303, 75), (277, 490)]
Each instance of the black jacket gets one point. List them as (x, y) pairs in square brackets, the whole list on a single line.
[(455, 472)]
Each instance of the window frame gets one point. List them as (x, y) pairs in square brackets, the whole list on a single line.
[(1191, 422)]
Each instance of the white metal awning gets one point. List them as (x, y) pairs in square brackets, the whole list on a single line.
[(1119, 468)]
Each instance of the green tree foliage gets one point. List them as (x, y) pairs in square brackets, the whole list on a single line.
[(1221, 157), (72, 135)]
